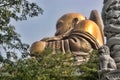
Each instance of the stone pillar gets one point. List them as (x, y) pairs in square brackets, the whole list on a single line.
[(111, 20)]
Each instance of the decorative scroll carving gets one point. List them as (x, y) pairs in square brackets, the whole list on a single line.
[(111, 20)]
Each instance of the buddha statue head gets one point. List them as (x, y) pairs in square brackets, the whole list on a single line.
[(75, 21), (66, 22)]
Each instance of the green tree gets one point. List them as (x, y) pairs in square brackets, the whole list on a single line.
[(10, 43), (91, 68), (49, 66)]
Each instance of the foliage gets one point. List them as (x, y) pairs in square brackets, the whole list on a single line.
[(48, 66), (91, 68), (10, 43)]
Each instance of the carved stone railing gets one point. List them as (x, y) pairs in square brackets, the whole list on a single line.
[(112, 75)]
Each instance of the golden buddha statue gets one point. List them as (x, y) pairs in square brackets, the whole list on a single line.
[(74, 34)]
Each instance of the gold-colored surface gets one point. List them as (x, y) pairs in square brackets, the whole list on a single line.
[(63, 37), (92, 28), (65, 22), (37, 47)]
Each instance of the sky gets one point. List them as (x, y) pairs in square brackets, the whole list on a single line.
[(36, 28)]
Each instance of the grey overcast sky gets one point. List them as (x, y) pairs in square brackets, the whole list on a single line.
[(42, 26)]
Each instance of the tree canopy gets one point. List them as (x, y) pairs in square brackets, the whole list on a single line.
[(10, 43), (49, 66)]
